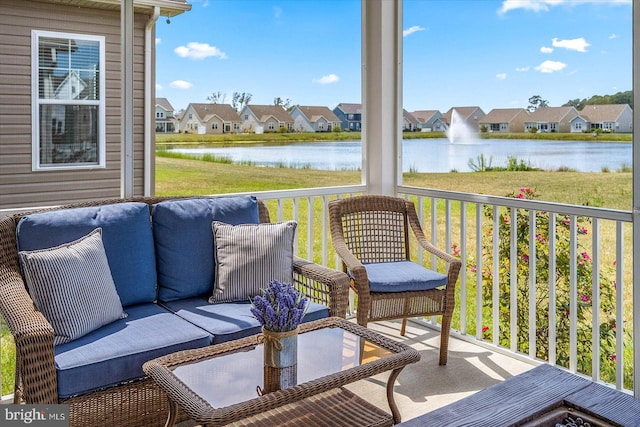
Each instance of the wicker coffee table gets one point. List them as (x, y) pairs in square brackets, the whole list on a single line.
[(225, 383)]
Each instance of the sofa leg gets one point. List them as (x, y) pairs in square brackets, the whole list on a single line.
[(403, 329)]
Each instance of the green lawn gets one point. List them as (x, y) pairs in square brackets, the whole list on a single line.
[(276, 138), (192, 177)]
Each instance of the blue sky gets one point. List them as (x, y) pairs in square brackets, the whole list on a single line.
[(489, 53)]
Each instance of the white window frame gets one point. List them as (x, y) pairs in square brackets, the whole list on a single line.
[(101, 149)]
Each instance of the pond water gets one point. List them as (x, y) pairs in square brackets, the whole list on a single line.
[(434, 154)]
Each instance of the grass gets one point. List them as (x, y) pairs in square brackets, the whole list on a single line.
[(175, 176), (194, 177), (283, 138), (7, 358)]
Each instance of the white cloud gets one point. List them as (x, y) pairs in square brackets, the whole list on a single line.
[(579, 44), (545, 49), (195, 50), (158, 86), (412, 30), (544, 5), (613, 36), (551, 66), (158, 40), (180, 84), (277, 12), (523, 69), (501, 76), (534, 5), (328, 79)]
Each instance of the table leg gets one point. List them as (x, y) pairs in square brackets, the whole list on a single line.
[(173, 413), (392, 403)]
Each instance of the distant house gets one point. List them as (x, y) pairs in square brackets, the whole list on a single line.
[(165, 118), (409, 122), (350, 115), (313, 119), (429, 120), (210, 119), (609, 117), (551, 119), (471, 116), (505, 120), (265, 118), (61, 83)]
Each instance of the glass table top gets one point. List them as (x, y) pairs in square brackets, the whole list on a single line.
[(239, 376)]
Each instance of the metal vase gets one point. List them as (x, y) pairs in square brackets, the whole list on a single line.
[(279, 378), (280, 348)]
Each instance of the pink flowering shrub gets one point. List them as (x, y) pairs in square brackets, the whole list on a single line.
[(584, 297)]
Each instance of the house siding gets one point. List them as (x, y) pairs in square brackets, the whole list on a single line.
[(19, 185), (624, 123)]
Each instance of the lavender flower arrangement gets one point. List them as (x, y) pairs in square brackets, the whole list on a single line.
[(280, 308)]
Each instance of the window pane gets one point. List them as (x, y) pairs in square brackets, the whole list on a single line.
[(68, 69), (68, 134)]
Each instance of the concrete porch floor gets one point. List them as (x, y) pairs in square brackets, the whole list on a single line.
[(425, 386)]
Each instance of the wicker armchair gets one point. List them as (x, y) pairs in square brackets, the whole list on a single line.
[(371, 233), (136, 403)]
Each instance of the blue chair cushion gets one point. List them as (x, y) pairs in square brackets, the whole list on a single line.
[(115, 353), (184, 241), (126, 235), (231, 320), (401, 276)]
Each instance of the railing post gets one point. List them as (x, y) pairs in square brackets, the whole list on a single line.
[(636, 202), (533, 256)]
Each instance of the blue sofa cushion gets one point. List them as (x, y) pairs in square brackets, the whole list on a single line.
[(229, 321), (401, 276), (116, 352), (126, 235), (184, 241)]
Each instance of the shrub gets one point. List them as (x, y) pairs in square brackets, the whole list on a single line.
[(480, 164), (514, 165), (584, 297)]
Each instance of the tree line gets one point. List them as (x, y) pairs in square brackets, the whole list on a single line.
[(537, 101), (240, 99)]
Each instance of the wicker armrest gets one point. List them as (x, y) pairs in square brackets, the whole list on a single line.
[(33, 336), (322, 285), (425, 244)]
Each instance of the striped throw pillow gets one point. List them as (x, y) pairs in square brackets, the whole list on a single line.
[(71, 285), (249, 256)]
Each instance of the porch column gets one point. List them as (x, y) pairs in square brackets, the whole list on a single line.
[(126, 47), (382, 95)]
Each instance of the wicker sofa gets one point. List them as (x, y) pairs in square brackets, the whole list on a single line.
[(155, 248)]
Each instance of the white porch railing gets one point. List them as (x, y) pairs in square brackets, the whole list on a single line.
[(577, 242), (598, 319)]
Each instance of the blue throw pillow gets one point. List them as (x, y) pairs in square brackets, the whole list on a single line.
[(184, 241), (126, 235)]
